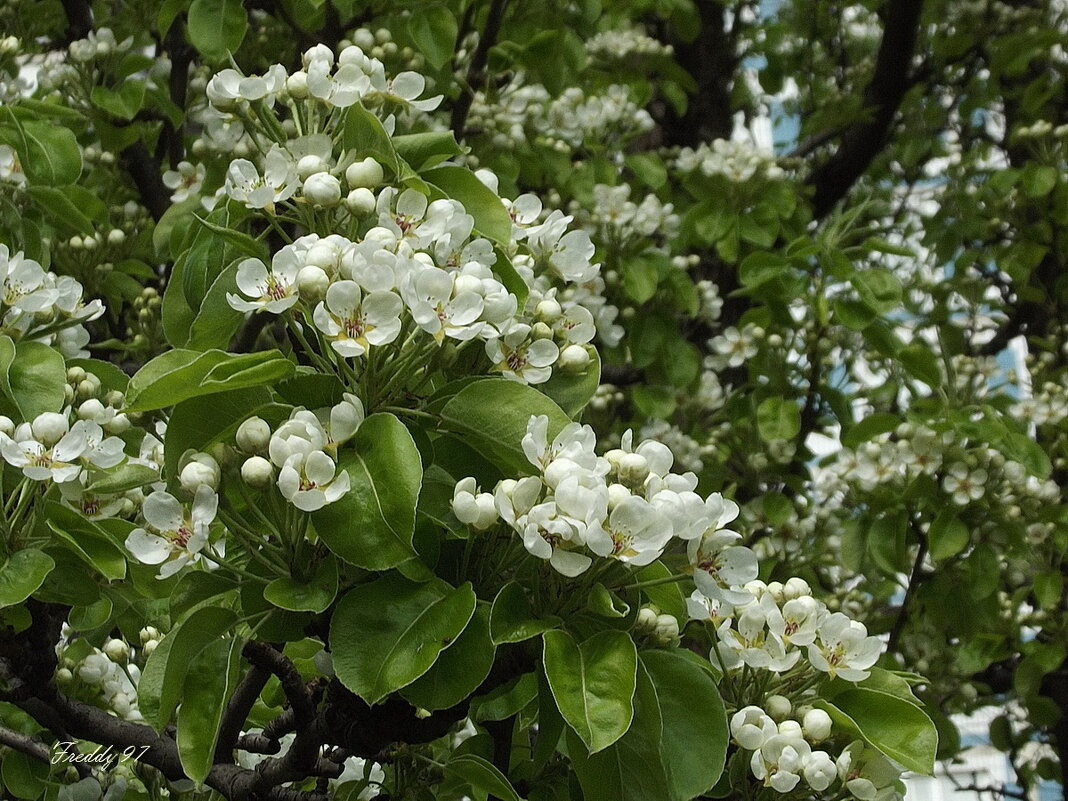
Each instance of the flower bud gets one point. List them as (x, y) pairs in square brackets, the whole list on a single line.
[(117, 651), (49, 427), (253, 435), (257, 472), (574, 359), (149, 633), (816, 725), (617, 493), (364, 174), (64, 676), (789, 728), (795, 588), (312, 283), (541, 331), (322, 189), (667, 629), (360, 201), (778, 707), (297, 85), (646, 622), (201, 470), (548, 311), (309, 165), (633, 468), (94, 668), (91, 409), (117, 424)]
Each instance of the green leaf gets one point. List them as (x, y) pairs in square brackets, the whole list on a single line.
[(364, 134), (198, 423), (897, 728), (460, 668), (1021, 448), (878, 288), (694, 743), (23, 776), (1048, 588), (481, 202), (212, 678), (667, 597), (511, 619), (33, 376), (632, 769), (124, 477), (947, 535), (640, 278), (217, 27), (123, 102), (573, 391), (163, 677), (886, 542), (593, 683), (180, 374), (57, 204), (49, 153), (87, 541), (312, 595), (491, 416), (506, 700), (433, 29), (853, 313), (760, 267), (372, 525), (654, 401), (427, 149), (1039, 179), (922, 363), (870, 427), (386, 634), (604, 603), (21, 575), (778, 418), (482, 775)]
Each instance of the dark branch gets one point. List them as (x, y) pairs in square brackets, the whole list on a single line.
[(711, 58), (79, 19), (915, 578), (863, 140), (145, 172), (237, 711), (24, 743), (476, 71)]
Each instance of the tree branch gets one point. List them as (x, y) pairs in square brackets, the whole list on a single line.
[(476, 70), (24, 743), (145, 172), (863, 140)]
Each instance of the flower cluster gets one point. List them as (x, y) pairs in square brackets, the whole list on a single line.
[(768, 625), (626, 506), (108, 675), (738, 159), (620, 44), (782, 742), (523, 112), (619, 221), (40, 305)]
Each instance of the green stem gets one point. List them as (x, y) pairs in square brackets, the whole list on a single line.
[(654, 582)]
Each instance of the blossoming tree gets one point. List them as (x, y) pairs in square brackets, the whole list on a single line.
[(457, 400)]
